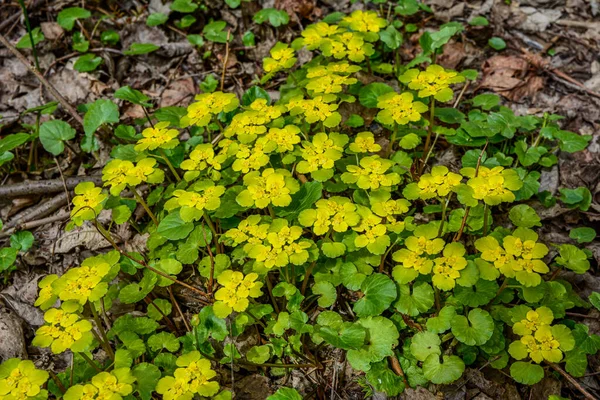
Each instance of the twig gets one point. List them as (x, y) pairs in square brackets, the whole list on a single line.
[(572, 314), (28, 188), (68, 107), (62, 178), (573, 381), (35, 224), (225, 60), (39, 211), (174, 301)]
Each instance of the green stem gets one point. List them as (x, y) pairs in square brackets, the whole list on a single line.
[(307, 276), (429, 134), (444, 209), (485, 219), (173, 171), (90, 361), (28, 25), (143, 203), (212, 228), (106, 343), (271, 211), (392, 140)]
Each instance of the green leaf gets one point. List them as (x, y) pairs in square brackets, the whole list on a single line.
[(215, 32), (443, 321), (285, 393), (524, 216), (418, 302), (147, 375), (248, 39), (448, 371), (156, 19), (576, 362), (355, 121), (572, 142), (163, 305), (87, 63), (368, 94), (101, 112), (209, 84), (479, 21), (382, 338), (583, 235), (53, 134), (573, 258), (135, 292), (133, 96), (383, 379), (595, 300), (123, 359), (173, 227), (576, 198), (163, 340), (379, 293), (184, 6), (110, 37), (346, 335), (478, 295), (274, 16), (333, 249), (391, 37), (10, 142), (497, 43), (136, 49), (526, 373), (21, 241), (432, 41), (474, 331), (25, 41), (259, 354), (233, 3), (67, 17), (304, 199), (425, 343), (486, 101), (327, 293), (407, 7), (8, 256), (80, 43)]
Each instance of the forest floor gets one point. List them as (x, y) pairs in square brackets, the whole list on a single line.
[(551, 64)]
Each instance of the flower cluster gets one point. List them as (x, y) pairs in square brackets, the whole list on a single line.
[(269, 187), (236, 290), (493, 186), (320, 155), (64, 329), (203, 195), (114, 385), (371, 174), (339, 42), (364, 21), (318, 109), (202, 157), (192, 377), (282, 58), (21, 380), (438, 183), (399, 108), (87, 203), (364, 142), (414, 259), (121, 173), (337, 213), (207, 105), (158, 136), (434, 81), (519, 256), (331, 77)]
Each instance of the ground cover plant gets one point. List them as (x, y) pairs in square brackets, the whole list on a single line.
[(312, 215)]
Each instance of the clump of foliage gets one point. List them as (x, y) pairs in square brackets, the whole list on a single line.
[(314, 229)]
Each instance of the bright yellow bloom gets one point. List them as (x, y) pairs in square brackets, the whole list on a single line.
[(271, 187), (204, 196), (46, 297), (64, 330), (351, 45), (315, 35), (83, 284), (493, 186), (372, 232), (282, 57), (424, 240), (321, 154), (201, 112), (364, 21), (247, 126), (119, 173), (284, 245), (285, 138), (330, 78), (320, 108), (202, 157), (534, 320), (21, 380), (439, 183), (236, 290), (410, 260), (399, 108), (192, 377), (249, 230), (547, 344), (337, 213), (371, 174), (434, 81), (383, 206), (112, 385), (87, 203), (364, 143), (447, 268), (253, 157), (158, 136)]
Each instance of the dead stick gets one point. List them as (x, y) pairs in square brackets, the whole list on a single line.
[(35, 224), (573, 381), (68, 107), (225, 60), (28, 188), (39, 211)]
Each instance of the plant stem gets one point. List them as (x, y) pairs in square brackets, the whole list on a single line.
[(429, 133), (105, 342), (573, 381), (28, 25), (271, 211), (485, 219), (173, 171), (143, 203), (392, 140), (212, 228), (270, 289), (307, 276), (57, 381), (90, 361), (444, 209)]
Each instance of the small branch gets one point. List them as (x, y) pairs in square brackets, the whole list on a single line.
[(39, 211), (68, 107), (176, 304), (225, 60), (573, 381), (28, 188)]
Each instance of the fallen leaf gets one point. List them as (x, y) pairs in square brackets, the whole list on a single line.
[(178, 91), (511, 77)]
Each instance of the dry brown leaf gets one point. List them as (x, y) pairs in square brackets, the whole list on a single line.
[(511, 77), (177, 92)]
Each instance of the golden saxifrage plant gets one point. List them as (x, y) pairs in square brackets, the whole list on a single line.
[(317, 231)]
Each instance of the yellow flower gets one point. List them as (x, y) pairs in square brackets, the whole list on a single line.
[(21, 380), (383, 206), (64, 330), (249, 230), (201, 112), (364, 21), (439, 183), (253, 157), (119, 173), (424, 240), (371, 174), (112, 385), (236, 290), (364, 143), (315, 35), (447, 268), (493, 186), (285, 138), (204, 196), (372, 232), (330, 78), (87, 203), (534, 320), (410, 260), (319, 108), (83, 284), (399, 108), (158, 136), (282, 57), (202, 157), (284, 245), (547, 344), (271, 187), (192, 377), (47, 296), (321, 154), (337, 213), (434, 81)]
